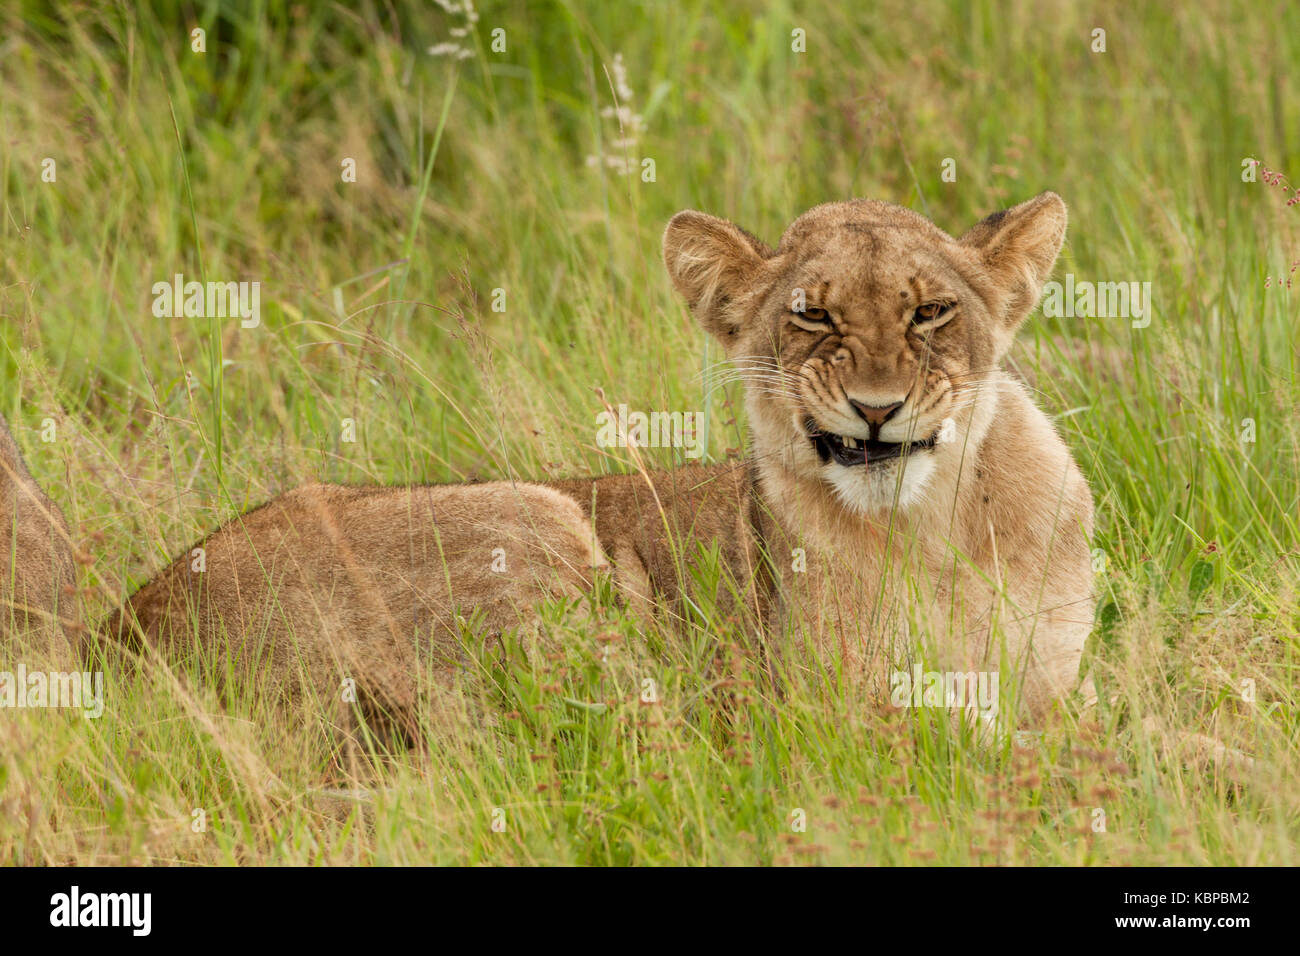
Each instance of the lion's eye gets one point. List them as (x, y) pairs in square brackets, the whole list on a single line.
[(930, 311), (813, 317)]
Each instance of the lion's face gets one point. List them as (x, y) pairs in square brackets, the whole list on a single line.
[(864, 338)]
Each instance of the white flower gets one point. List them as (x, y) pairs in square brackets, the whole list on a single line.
[(629, 124), (470, 15)]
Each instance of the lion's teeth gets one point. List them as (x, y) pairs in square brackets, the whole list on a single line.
[(850, 442)]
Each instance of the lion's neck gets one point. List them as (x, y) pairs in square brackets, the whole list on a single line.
[(808, 511)]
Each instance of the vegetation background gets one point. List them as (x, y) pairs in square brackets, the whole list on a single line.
[(517, 170)]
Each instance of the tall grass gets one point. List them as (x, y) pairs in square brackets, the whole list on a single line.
[(473, 176)]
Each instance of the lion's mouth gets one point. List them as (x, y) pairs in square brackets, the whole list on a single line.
[(848, 451)]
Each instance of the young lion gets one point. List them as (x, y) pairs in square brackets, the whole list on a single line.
[(931, 497), (901, 490)]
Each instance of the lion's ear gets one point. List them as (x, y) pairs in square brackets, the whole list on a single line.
[(1019, 247), (714, 265)]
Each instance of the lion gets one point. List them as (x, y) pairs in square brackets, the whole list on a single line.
[(920, 489), (902, 494)]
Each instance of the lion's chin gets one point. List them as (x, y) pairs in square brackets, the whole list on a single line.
[(891, 485)]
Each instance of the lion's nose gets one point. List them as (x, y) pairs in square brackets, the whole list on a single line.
[(875, 415)]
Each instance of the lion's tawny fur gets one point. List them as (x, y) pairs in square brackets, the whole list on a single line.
[(37, 575), (375, 586)]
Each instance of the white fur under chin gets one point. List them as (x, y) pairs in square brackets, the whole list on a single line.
[(873, 488)]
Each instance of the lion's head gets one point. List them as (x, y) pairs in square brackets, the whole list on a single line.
[(865, 338)]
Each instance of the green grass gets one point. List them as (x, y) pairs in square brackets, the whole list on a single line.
[(473, 176)]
